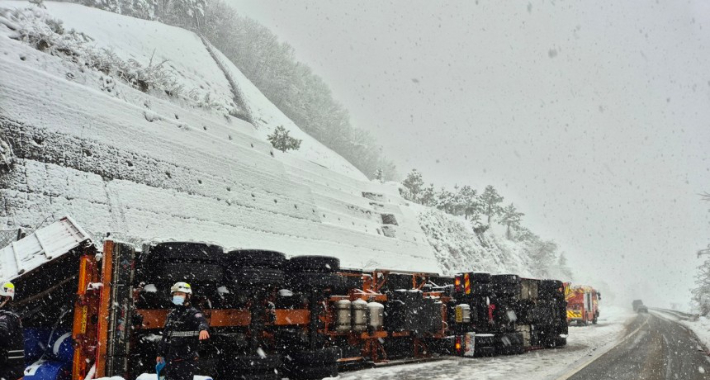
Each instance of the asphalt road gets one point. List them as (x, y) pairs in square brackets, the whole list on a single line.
[(654, 349)]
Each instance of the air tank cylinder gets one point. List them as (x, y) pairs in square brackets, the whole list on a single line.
[(377, 315), (359, 314), (462, 313), (344, 319)]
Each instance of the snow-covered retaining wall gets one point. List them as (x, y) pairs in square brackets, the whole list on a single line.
[(142, 166)]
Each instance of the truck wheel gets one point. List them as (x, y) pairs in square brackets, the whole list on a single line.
[(320, 264), (313, 281), (255, 258), (248, 277), (289, 340), (185, 252), (190, 272)]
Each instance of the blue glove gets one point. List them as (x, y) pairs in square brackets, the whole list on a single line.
[(159, 367)]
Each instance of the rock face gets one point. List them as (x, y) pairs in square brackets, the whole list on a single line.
[(140, 167)]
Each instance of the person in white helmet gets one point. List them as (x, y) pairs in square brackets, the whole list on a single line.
[(185, 327), (12, 341)]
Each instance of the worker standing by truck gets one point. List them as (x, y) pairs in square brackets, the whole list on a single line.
[(184, 328), (12, 350)]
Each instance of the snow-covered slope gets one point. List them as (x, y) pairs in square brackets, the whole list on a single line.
[(458, 248), (151, 165), (148, 166)]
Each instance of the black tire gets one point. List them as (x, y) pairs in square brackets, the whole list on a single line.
[(289, 340), (248, 277), (560, 341), (347, 283), (314, 281), (320, 264), (185, 252), (189, 272), (255, 258)]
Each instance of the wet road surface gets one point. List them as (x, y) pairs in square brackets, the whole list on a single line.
[(654, 349)]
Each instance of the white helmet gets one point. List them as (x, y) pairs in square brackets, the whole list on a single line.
[(7, 289), (181, 287)]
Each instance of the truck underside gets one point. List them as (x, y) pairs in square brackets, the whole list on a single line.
[(303, 317)]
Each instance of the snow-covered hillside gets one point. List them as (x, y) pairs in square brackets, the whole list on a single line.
[(146, 165), (150, 162), (457, 248)]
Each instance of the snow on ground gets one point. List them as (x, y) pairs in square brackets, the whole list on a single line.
[(583, 341), (701, 328)]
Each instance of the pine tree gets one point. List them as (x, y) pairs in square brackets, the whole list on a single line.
[(445, 201), (510, 216), (414, 183), (470, 203), (428, 196), (282, 141), (490, 202)]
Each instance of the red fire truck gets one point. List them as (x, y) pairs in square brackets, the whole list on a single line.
[(582, 304)]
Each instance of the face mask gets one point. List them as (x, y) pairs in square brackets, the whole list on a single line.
[(178, 300)]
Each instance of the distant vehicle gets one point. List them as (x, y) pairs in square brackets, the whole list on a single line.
[(642, 309), (636, 304), (582, 304)]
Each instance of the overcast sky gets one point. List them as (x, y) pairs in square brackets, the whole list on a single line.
[(594, 119)]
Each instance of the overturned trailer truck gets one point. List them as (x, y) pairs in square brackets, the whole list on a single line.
[(303, 317)]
